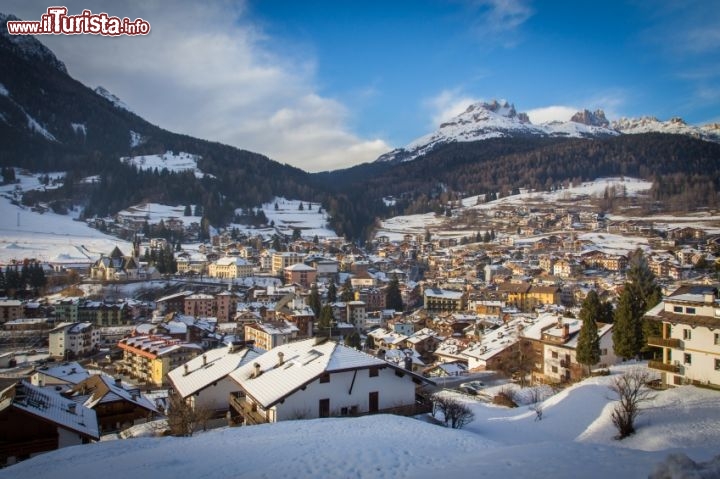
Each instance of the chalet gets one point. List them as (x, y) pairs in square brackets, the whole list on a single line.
[(690, 336), (204, 382), (311, 379), (116, 406), (34, 420)]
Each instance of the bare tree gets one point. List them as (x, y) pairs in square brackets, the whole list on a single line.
[(455, 413), (631, 389), (183, 419)]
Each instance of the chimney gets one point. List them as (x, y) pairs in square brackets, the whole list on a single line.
[(709, 297), (72, 408), (118, 381), (185, 366), (204, 359), (566, 331), (281, 358), (257, 372)]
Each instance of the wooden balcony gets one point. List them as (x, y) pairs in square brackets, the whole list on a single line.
[(248, 411), (664, 343), (25, 448), (666, 367)]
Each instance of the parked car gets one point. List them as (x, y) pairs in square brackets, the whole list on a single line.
[(472, 387)]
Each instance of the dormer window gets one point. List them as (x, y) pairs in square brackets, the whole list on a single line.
[(690, 310), (677, 309)]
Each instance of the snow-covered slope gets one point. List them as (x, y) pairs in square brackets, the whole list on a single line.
[(103, 92), (674, 126), (499, 119), (173, 162), (573, 439)]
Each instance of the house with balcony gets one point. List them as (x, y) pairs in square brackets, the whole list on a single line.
[(71, 340), (150, 358), (204, 381), (690, 336), (314, 378)]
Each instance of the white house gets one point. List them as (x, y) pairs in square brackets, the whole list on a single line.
[(73, 339), (230, 267), (204, 380), (311, 379), (690, 336)]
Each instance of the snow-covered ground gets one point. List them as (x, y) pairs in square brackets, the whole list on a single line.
[(573, 439), (154, 212), (288, 216), (47, 236), (395, 228), (174, 162)]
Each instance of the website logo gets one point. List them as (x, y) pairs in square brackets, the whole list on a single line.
[(57, 22)]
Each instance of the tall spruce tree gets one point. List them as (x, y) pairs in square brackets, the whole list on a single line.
[(640, 293), (314, 300), (347, 293), (332, 292), (326, 320), (588, 346), (393, 297)]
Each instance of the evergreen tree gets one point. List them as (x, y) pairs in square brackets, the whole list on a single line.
[(301, 207), (198, 210), (314, 300), (296, 234), (332, 292), (588, 346), (2, 281), (627, 330), (347, 293), (187, 211), (326, 319), (640, 293), (353, 340), (393, 297)]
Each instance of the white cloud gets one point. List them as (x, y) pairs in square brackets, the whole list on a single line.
[(206, 71), (551, 113), (447, 104), (499, 20)]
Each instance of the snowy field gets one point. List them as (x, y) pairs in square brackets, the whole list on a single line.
[(173, 162), (288, 216), (47, 236), (573, 439), (154, 212)]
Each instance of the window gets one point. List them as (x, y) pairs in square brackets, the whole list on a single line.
[(374, 371), (554, 369), (717, 365), (554, 354), (677, 380), (603, 352), (325, 378), (687, 334), (677, 309), (690, 310), (687, 358), (716, 341)]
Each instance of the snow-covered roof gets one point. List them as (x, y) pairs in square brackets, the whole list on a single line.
[(71, 373), (51, 406), (209, 367), (303, 362), (101, 388)]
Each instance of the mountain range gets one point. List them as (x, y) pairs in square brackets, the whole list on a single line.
[(50, 122), (499, 119)]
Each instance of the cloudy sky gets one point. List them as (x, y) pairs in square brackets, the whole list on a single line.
[(327, 84)]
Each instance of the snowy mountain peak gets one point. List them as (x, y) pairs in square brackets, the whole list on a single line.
[(27, 46), (500, 119), (586, 117), (112, 98)]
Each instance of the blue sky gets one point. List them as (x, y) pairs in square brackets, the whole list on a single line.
[(326, 84)]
